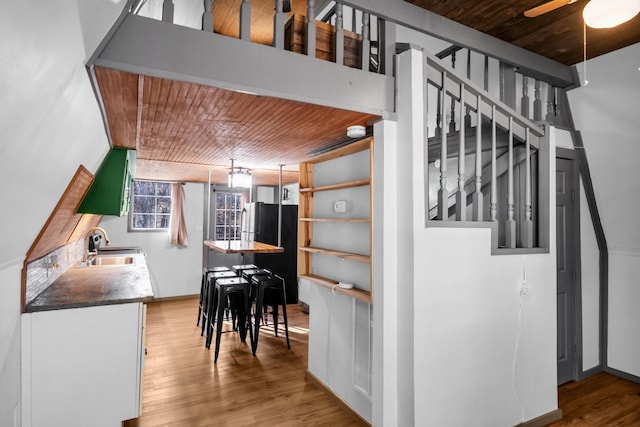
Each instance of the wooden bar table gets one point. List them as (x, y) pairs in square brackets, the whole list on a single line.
[(242, 247)]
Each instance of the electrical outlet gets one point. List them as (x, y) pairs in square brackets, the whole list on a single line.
[(526, 288), (340, 206)]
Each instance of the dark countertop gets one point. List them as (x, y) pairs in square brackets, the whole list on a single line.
[(97, 285)]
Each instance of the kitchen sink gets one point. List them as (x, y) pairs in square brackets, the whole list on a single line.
[(113, 260)]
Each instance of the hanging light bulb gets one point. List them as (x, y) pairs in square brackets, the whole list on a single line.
[(609, 13)]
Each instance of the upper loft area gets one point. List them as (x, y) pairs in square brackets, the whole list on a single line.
[(191, 85)]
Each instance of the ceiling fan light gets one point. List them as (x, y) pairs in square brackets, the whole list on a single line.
[(609, 13)]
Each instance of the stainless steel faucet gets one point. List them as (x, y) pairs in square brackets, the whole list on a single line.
[(89, 255)]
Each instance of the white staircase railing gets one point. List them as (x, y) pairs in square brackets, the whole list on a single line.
[(505, 160)]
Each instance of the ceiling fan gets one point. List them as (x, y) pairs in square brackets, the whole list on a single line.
[(547, 7)]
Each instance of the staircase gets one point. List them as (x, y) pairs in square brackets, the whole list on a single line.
[(483, 162)]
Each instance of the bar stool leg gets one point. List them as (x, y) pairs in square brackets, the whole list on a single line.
[(257, 318), (222, 295), (201, 302), (212, 307), (284, 314)]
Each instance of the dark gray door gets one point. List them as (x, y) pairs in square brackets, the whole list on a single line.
[(567, 232)]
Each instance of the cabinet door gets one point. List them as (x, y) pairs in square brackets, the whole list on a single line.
[(84, 366)]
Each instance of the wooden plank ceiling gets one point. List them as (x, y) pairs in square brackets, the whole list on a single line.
[(557, 35), (181, 131)]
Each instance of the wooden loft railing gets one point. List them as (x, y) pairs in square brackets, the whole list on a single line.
[(507, 160)]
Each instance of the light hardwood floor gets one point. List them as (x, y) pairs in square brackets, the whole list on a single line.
[(183, 387), (600, 400)]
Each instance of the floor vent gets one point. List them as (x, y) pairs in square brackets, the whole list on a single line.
[(362, 346)]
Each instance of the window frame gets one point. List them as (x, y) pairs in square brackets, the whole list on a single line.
[(240, 197), (132, 212)]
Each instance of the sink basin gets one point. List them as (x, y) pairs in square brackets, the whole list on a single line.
[(113, 260), (108, 250)]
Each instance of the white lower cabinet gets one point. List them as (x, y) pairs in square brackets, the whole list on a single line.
[(82, 366)]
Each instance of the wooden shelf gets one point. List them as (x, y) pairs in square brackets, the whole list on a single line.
[(338, 186), (307, 219), (332, 284), (334, 219), (339, 254)]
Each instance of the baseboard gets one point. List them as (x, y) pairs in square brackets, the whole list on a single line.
[(175, 298), (543, 420), (589, 372), (622, 374), (344, 405)]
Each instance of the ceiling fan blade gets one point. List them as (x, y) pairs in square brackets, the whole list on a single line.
[(546, 7)]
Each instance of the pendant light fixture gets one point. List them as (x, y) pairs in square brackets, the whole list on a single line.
[(609, 13), (239, 177)]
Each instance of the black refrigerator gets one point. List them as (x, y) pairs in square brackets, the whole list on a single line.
[(261, 225)]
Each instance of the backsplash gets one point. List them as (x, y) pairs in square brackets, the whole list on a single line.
[(41, 272)]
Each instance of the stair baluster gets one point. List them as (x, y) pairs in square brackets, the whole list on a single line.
[(527, 225), (167, 11), (443, 193), (524, 102), (279, 20), (467, 117), (493, 207), (439, 113), (537, 102), (477, 195), (207, 16), (452, 122), (339, 34), (311, 29), (245, 20), (510, 223), (461, 195), (366, 43)]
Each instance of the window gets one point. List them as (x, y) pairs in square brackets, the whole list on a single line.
[(228, 216), (151, 206)]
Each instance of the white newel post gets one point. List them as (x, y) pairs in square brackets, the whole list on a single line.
[(443, 194), (510, 224), (527, 225)]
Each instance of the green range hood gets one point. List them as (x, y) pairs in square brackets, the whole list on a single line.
[(109, 194)]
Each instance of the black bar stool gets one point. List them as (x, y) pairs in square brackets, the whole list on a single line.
[(274, 285), (241, 267), (222, 289), (248, 274), (208, 294), (204, 286)]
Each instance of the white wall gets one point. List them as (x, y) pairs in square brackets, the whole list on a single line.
[(605, 111), (174, 270), (9, 342), (50, 124), (481, 353)]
